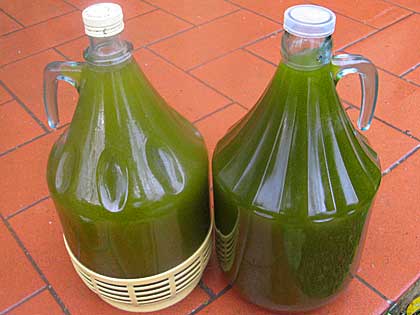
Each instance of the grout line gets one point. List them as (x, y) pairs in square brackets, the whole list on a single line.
[(243, 106), (363, 281), (401, 160), (25, 299), (263, 38), (62, 43), (18, 100), (165, 38), (168, 12), (309, 2), (26, 207), (60, 127), (40, 52), (184, 30), (71, 4), (410, 70), (260, 57), (34, 265), (387, 123), (399, 5), (6, 102), (213, 112), (194, 77), (32, 140), (14, 19), (23, 144), (232, 51), (43, 21), (205, 288), (255, 12), (393, 74), (60, 53), (211, 87), (396, 76), (218, 17), (211, 300), (412, 82), (375, 32)]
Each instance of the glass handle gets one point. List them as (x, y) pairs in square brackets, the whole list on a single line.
[(347, 64), (69, 72)]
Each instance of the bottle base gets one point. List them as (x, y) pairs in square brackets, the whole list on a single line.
[(151, 293), (290, 309)]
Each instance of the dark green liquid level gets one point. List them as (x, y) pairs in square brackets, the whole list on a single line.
[(129, 177), (293, 185)]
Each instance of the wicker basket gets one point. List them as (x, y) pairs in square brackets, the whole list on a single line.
[(150, 293)]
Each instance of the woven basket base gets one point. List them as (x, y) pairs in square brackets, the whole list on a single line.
[(150, 293)]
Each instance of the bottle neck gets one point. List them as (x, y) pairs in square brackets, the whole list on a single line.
[(107, 50), (304, 53)]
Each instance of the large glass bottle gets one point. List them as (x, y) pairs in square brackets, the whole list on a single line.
[(129, 176), (294, 180)]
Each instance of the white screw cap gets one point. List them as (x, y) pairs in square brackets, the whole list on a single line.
[(103, 19), (309, 21)]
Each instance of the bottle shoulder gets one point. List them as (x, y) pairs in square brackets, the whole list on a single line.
[(297, 151)]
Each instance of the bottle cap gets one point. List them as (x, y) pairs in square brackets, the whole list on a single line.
[(103, 20), (309, 21)]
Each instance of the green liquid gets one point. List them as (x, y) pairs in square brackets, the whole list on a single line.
[(293, 185), (129, 177)]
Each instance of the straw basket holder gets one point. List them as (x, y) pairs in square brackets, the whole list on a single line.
[(150, 293)]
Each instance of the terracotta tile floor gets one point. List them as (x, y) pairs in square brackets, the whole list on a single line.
[(210, 59)]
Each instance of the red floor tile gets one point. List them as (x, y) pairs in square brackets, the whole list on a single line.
[(390, 144), (357, 299), (390, 260), (35, 11), (348, 31), (75, 48), (271, 9), (19, 279), (25, 78), (33, 39), (4, 96), (23, 174), (409, 4), (194, 11), (41, 304), (396, 49), (213, 276), (130, 8), (397, 101), (211, 40), (215, 126), (239, 75), (414, 76), (7, 24), (32, 226), (151, 27), (16, 126), (140, 31), (376, 13), (187, 95), (186, 306), (268, 48)]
